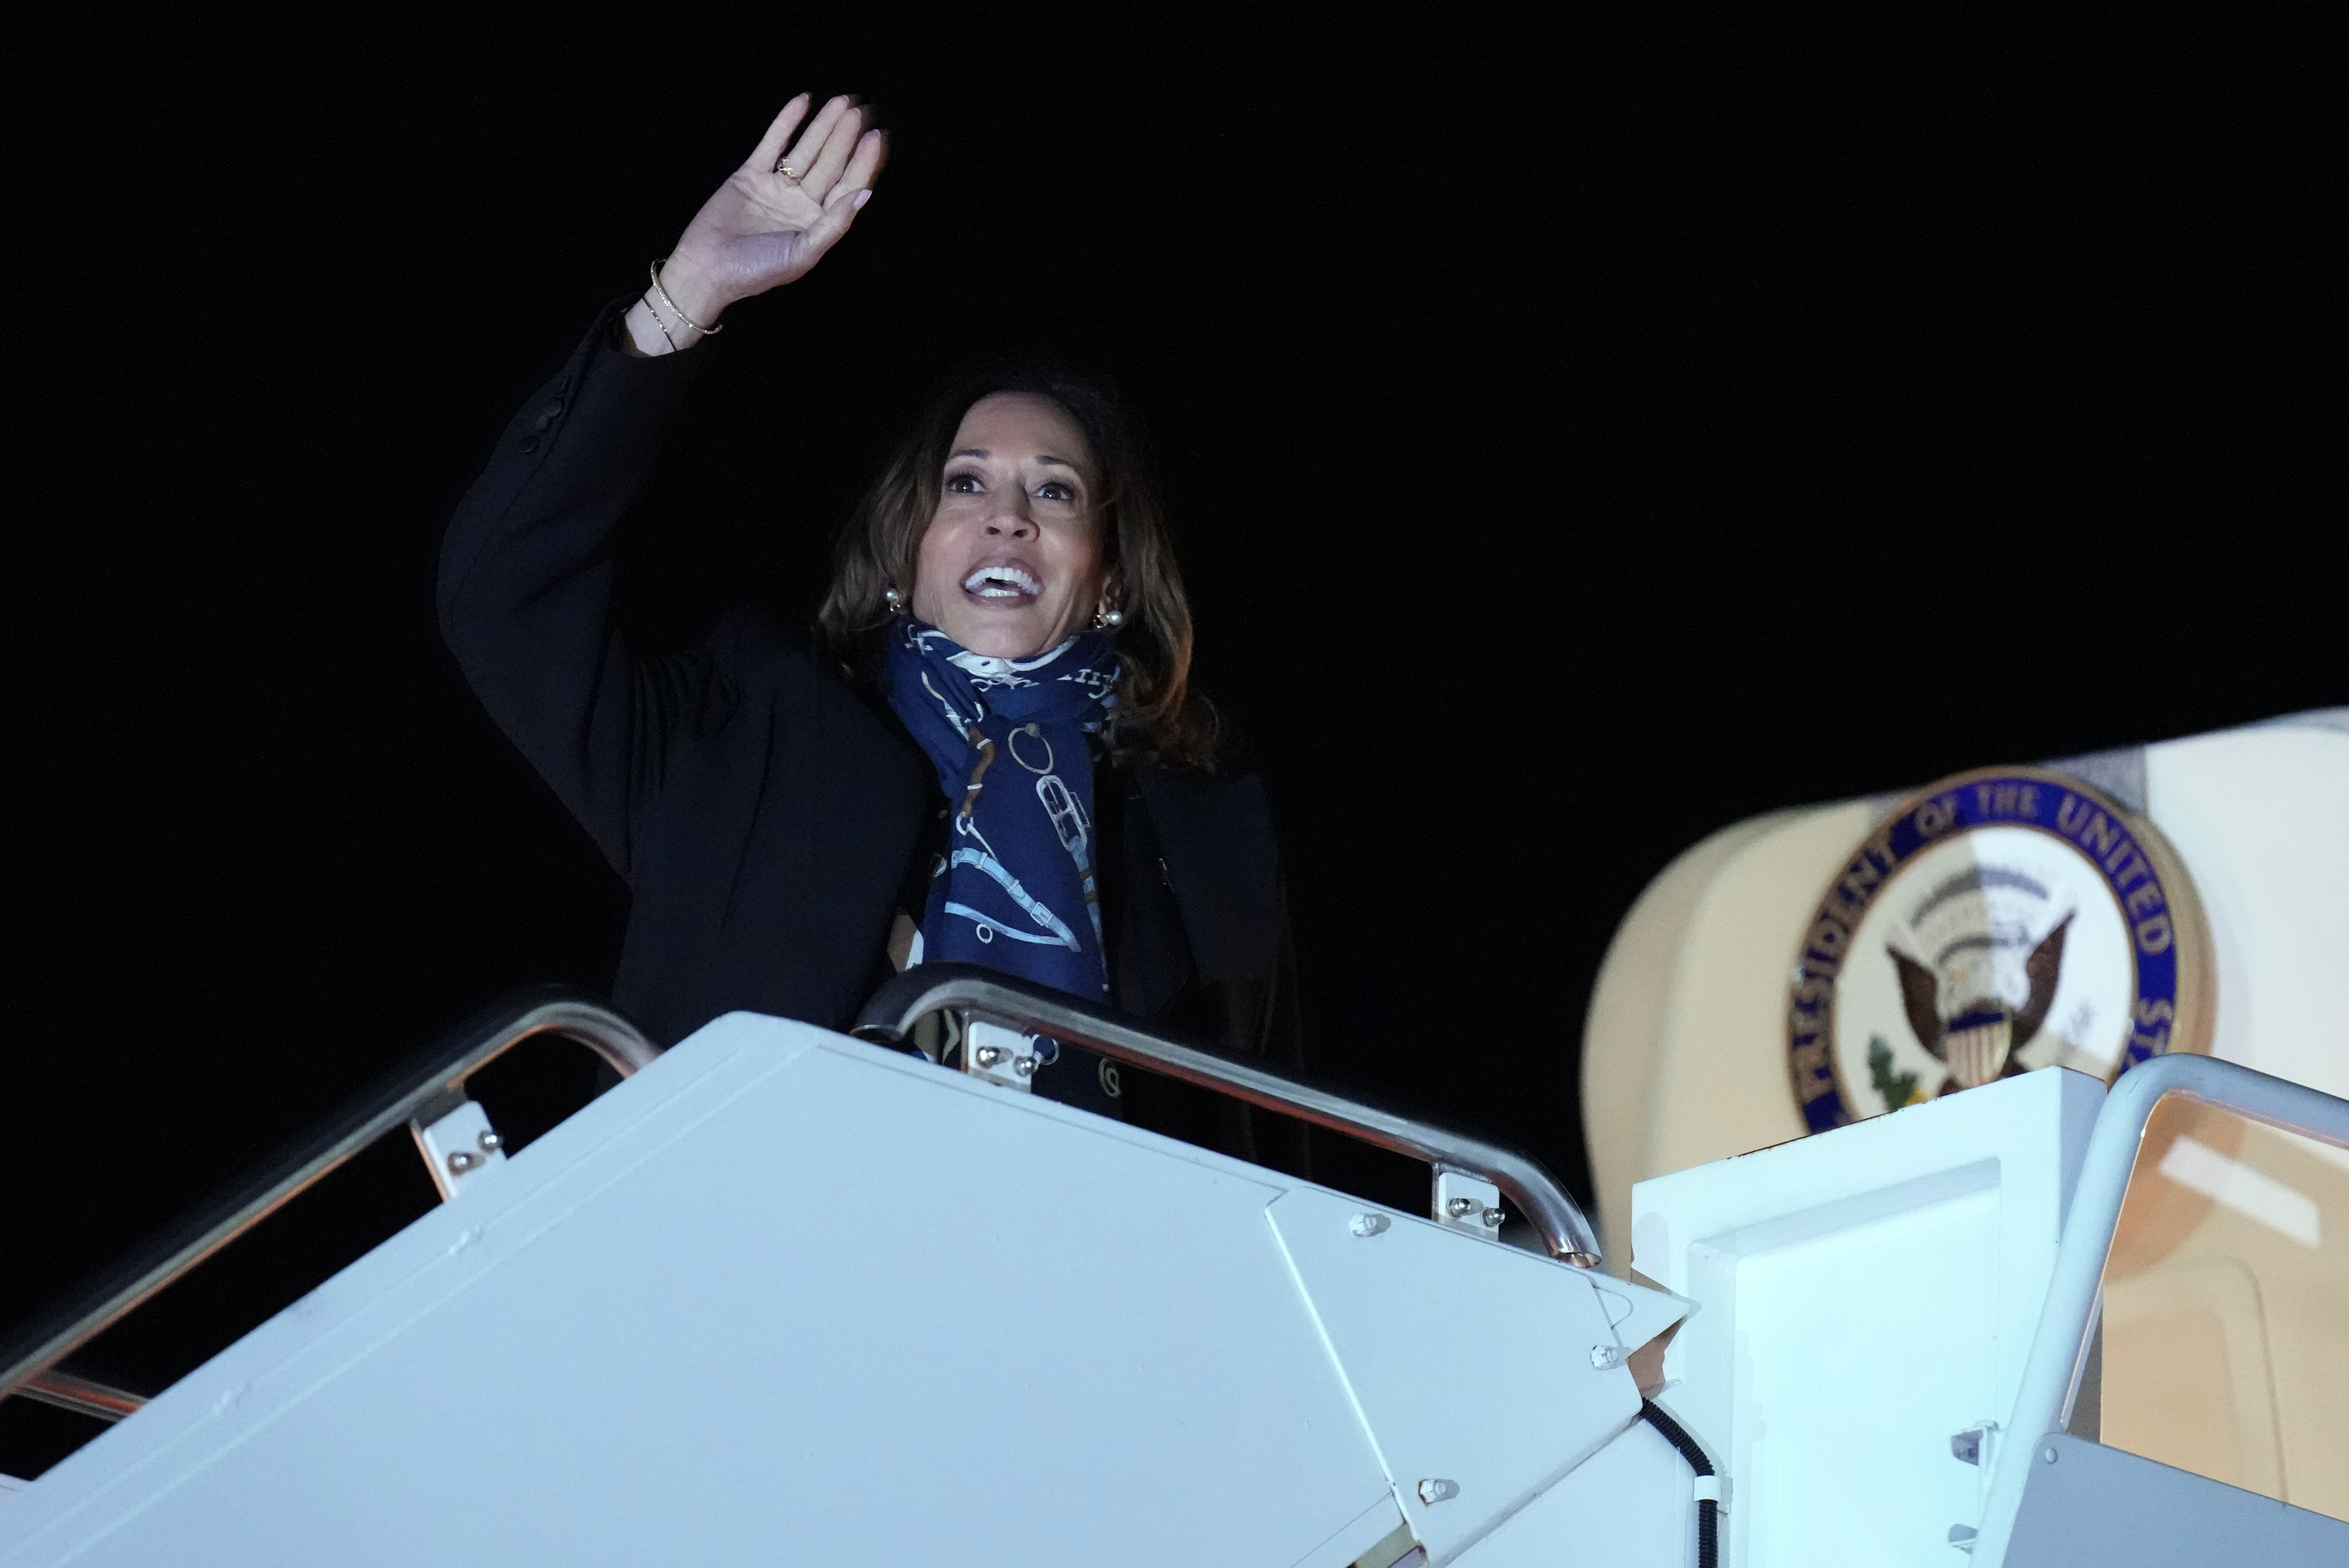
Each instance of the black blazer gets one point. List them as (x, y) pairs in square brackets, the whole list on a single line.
[(765, 809)]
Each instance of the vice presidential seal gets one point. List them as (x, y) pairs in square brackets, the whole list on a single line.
[(1998, 922)]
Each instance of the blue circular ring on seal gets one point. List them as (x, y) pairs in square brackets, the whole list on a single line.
[(2159, 911)]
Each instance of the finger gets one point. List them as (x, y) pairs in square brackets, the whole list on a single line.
[(821, 180), (872, 151), (803, 155), (779, 135)]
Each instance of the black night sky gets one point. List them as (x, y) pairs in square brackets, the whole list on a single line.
[(1583, 433)]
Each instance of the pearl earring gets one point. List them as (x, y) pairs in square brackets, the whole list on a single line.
[(1108, 620), (897, 600)]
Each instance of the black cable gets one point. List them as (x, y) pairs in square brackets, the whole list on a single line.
[(1708, 1511)]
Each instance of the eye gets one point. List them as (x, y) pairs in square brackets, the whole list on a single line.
[(963, 482), (1053, 490)]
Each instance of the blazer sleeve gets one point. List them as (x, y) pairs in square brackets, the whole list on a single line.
[(525, 588)]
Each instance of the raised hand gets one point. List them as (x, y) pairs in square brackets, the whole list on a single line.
[(772, 220)]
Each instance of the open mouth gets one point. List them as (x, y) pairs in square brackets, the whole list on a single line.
[(1005, 585)]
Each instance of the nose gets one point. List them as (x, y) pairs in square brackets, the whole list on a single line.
[(1011, 518)]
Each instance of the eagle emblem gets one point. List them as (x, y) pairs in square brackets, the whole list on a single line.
[(1991, 1009), (1997, 923)]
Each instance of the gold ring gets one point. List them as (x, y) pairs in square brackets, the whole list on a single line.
[(785, 170)]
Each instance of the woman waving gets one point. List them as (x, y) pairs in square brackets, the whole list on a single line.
[(986, 750)]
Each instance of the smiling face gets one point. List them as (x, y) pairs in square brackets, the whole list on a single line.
[(1010, 564)]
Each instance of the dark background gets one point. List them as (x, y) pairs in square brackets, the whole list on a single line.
[(1584, 433)]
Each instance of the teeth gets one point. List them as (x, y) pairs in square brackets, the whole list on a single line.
[(1002, 583)]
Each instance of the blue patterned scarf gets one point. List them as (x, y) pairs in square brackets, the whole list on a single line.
[(1008, 737)]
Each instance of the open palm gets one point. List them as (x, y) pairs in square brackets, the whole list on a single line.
[(775, 216)]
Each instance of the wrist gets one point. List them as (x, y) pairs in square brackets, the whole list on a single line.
[(692, 291), (645, 332), (660, 322)]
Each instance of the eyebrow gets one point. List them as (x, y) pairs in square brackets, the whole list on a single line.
[(983, 452)]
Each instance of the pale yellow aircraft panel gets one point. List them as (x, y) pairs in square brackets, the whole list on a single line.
[(2226, 1349)]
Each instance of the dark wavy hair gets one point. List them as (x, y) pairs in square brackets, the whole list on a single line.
[(1159, 718)]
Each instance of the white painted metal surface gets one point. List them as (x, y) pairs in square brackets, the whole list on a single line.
[(1604, 1513), (1868, 1294), (669, 1332), (1497, 1415)]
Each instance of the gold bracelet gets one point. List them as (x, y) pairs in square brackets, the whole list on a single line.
[(705, 331), (661, 326)]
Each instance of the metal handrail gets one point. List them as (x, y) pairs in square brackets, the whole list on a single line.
[(1016, 1003), (83, 1395), (29, 1361), (2059, 1347)]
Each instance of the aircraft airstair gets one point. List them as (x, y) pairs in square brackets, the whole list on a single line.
[(784, 1295)]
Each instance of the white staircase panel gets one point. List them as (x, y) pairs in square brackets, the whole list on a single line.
[(1868, 1294), (1472, 1362), (1630, 1505), (779, 1298)]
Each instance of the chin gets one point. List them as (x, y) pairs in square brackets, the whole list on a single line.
[(1004, 645), (1019, 635)]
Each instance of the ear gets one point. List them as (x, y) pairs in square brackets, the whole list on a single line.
[(1920, 995)]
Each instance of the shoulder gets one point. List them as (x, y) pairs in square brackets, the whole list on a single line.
[(757, 648), (1217, 818), (1209, 804), (1219, 779), (785, 670), (752, 660), (1199, 741)]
